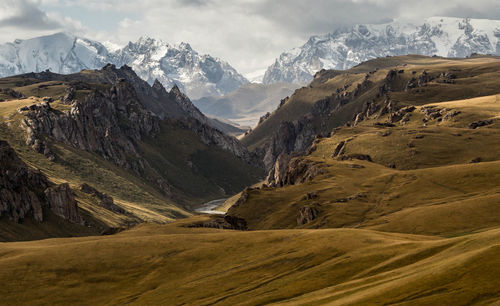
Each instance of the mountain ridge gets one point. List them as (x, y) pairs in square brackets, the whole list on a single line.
[(197, 75), (347, 47)]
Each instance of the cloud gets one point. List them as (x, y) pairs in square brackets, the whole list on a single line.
[(24, 19), (249, 34), (25, 14)]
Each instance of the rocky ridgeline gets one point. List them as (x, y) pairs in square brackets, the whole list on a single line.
[(298, 136), (25, 192), (108, 123), (375, 98), (111, 122)]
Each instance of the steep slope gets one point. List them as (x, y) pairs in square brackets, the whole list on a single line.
[(247, 104), (151, 150), (27, 196), (197, 75), (344, 48)]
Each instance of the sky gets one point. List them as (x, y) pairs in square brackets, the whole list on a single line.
[(249, 34)]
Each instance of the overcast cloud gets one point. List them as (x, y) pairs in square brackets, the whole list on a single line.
[(249, 34)]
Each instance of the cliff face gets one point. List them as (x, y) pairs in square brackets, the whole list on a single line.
[(125, 113), (25, 192), (118, 116), (108, 123)]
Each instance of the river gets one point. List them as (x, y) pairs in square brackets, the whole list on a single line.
[(208, 208)]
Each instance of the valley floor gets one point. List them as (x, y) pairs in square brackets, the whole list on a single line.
[(173, 264)]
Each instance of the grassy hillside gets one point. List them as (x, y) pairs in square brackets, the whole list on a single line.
[(434, 178), (175, 265), (195, 171), (474, 77)]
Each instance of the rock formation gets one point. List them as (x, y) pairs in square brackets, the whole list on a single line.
[(307, 214), (290, 171), (25, 192), (103, 199), (62, 203)]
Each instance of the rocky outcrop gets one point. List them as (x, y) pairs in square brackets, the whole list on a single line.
[(432, 112), (21, 188), (480, 123), (307, 214), (11, 93), (103, 199), (25, 192), (402, 115), (290, 171), (62, 203), (108, 123), (282, 142), (243, 197)]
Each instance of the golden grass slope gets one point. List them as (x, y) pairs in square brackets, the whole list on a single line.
[(172, 265), (475, 77), (433, 190)]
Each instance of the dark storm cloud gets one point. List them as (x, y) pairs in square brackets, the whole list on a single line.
[(26, 15)]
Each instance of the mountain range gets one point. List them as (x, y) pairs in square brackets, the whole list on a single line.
[(347, 47), (374, 183), (196, 75)]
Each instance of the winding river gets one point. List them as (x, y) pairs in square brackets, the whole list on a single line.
[(208, 208)]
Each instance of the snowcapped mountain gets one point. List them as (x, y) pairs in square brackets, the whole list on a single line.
[(196, 75), (345, 48), (59, 52)]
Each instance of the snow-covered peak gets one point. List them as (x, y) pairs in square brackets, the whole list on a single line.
[(60, 52), (346, 47), (196, 75)]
